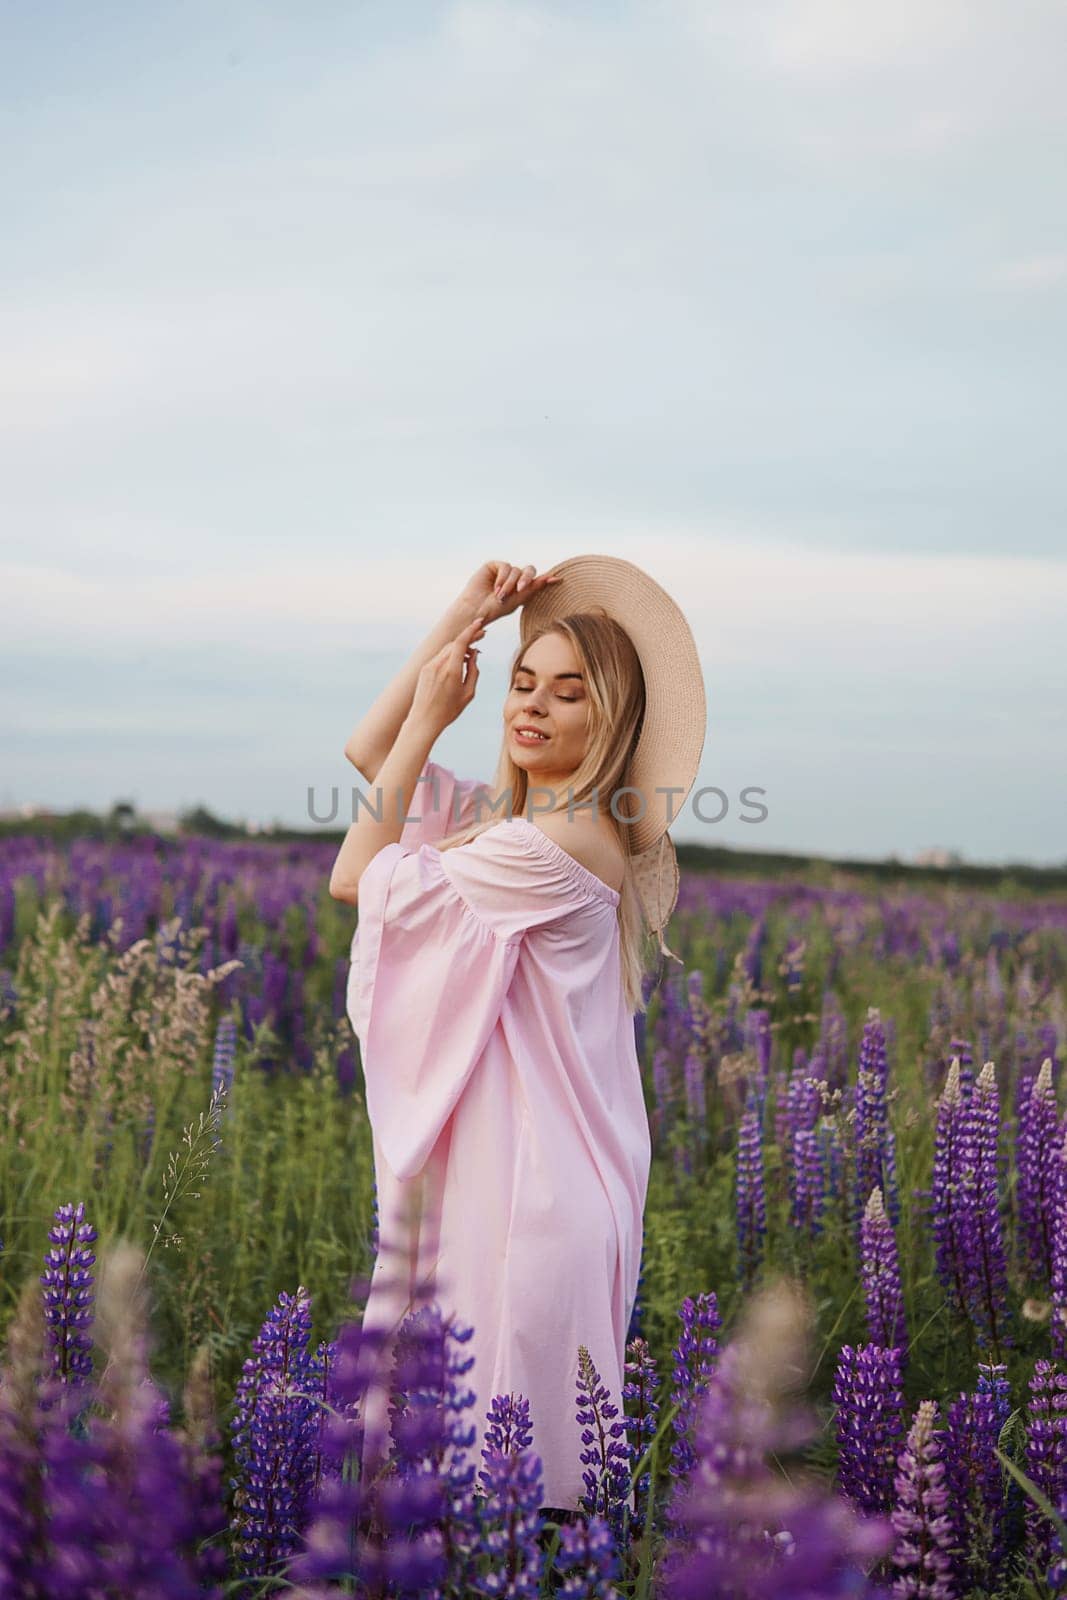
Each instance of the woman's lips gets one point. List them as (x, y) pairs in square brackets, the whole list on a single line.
[(528, 738)]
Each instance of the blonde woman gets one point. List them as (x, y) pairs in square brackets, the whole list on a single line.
[(496, 971)]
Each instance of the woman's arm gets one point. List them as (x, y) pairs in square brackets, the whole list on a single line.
[(396, 783), (374, 736), (445, 686), (495, 590)]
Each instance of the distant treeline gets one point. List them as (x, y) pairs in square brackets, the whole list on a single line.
[(122, 823)]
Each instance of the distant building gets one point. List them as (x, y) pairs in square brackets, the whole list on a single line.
[(937, 856)]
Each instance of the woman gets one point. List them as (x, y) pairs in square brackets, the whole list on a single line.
[(496, 970)]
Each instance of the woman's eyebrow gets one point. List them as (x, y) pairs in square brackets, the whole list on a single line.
[(559, 675)]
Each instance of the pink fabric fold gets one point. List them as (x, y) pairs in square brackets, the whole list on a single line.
[(511, 1141)]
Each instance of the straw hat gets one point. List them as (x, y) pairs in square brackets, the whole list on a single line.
[(669, 746)]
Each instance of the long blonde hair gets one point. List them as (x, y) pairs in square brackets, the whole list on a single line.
[(616, 689)]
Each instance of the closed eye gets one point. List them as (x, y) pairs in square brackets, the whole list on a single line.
[(571, 699)]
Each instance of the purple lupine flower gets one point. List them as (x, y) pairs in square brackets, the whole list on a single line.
[(639, 1390), (68, 1294), (976, 1482), (797, 1111), (948, 1214), (875, 1144), (831, 1149), (1046, 1451), (147, 1138), (694, 1359), (275, 1428), (994, 984), (24, 1435), (343, 1536), (833, 1040), (513, 1486), (792, 963), (225, 1052), (672, 1024), (607, 1456), (1056, 1577), (739, 1527), (757, 1036), (507, 1424), (589, 1556), (880, 1274), (869, 1402), (987, 1271), (808, 1181), (750, 1196), (511, 1482), (1039, 1138), (806, 1093), (921, 1517), (695, 1096), (752, 961), (201, 1445), (783, 1134), (699, 1017), (117, 1511), (663, 1092), (960, 1050), (1059, 1262), (431, 1494)]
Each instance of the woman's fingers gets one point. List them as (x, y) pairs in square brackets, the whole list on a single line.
[(512, 581)]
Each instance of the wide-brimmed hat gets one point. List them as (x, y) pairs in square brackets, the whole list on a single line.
[(666, 758)]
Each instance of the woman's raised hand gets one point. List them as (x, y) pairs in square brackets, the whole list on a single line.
[(498, 588), (447, 682)]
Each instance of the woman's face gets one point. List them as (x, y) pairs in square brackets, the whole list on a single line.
[(548, 693)]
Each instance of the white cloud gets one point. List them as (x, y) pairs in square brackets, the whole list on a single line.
[(837, 37), (1032, 272), (752, 604)]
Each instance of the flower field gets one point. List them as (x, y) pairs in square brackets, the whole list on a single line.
[(847, 1362)]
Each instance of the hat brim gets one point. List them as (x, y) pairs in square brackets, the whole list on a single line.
[(667, 757)]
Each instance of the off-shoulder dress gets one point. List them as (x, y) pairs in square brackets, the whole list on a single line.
[(506, 1107)]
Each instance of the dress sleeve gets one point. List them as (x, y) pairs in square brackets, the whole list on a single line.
[(442, 804), (439, 939)]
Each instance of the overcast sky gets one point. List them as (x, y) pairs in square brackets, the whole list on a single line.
[(305, 311)]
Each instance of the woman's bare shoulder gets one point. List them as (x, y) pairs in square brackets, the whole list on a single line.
[(592, 842)]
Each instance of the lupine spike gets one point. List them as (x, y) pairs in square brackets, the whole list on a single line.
[(1046, 1451), (68, 1293), (869, 1399), (275, 1438), (976, 1481), (1059, 1260), (921, 1516), (1038, 1142), (607, 1456), (988, 1277), (738, 1525), (750, 1196), (875, 1144), (641, 1416), (589, 1556), (948, 1213), (694, 1358), (880, 1272)]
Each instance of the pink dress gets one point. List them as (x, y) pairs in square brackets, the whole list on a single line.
[(505, 1100)]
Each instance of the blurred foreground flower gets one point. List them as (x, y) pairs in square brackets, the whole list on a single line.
[(738, 1525)]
